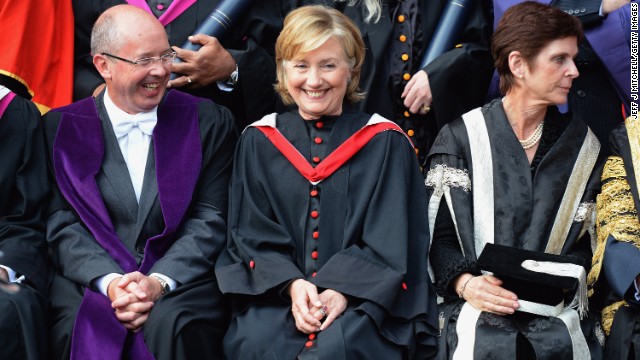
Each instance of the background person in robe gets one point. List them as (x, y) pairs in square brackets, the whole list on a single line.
[(138, 216), (23, 254), (615, 275), (522, 184), (327, 238), (247, 45)]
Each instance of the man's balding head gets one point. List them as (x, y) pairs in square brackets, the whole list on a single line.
[(117, 24)]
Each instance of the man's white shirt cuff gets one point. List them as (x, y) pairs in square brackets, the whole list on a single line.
[(102, 283)]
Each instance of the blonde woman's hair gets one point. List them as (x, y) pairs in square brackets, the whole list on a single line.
[(309, 27)]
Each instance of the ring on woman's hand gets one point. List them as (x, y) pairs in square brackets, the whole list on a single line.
[(323, 311), (426, 108), (189, 80)]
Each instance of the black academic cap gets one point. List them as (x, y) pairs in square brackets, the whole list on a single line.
[(533, 276)]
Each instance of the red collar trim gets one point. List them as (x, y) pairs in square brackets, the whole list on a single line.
[(337, 158)]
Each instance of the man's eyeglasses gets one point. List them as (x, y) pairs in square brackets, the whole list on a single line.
[(144, 62)]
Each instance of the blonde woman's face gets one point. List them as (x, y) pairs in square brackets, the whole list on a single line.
[(317, 80)]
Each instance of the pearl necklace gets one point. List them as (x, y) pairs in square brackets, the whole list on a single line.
[(532, 140)]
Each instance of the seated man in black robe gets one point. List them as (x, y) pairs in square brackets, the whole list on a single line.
[(23, 189), (138, 214)]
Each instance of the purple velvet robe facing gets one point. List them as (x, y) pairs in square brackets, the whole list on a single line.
[(78, 153)]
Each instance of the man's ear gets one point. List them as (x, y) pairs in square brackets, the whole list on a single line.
[(102, 64)]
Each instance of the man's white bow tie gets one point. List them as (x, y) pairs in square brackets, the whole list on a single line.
[(145, 123)]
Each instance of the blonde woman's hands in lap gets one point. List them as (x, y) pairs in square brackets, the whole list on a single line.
[(334, 303), (305, 306)]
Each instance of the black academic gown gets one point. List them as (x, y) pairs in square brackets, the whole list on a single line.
[(187, 322), (23, 192), (361, 232), (524, 216), (616, 262), (250, 43)]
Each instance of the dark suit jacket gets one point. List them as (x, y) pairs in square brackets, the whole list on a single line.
[(253, 96), (198, 240)]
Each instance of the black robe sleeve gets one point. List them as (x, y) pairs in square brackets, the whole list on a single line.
[(459, 78), (260, 252), (23, 194), (446, 258)]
